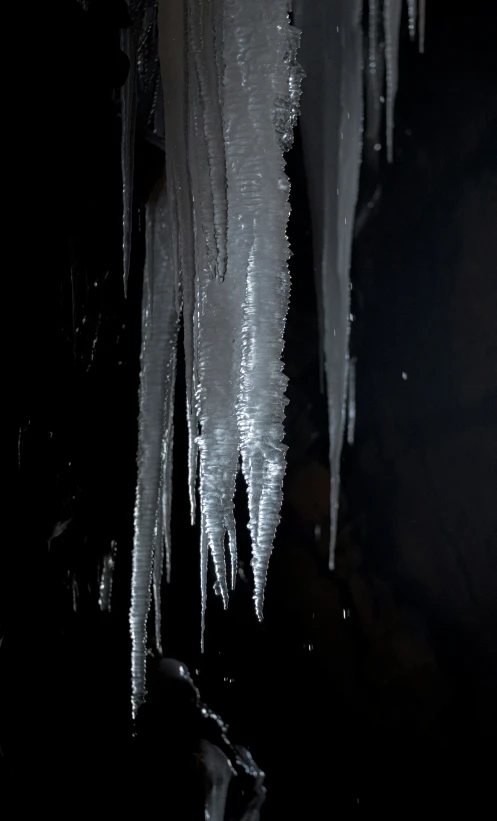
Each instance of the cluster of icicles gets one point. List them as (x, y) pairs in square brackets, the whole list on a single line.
[(217, 251)]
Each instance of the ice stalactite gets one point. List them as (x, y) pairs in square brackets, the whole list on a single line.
[(156, 401), (218, 307), (231, 88), (332, 56), (412, 8), (264, 47), (422, 25), (392, 13), (173, 53), (374, 78), (331, 124), (106, 578), (351, 401)]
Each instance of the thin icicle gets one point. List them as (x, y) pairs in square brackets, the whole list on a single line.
[(412, 8), (128, 125), (351, 403), (158, 360), (173, 53), (331, 55), (106, 578), (373, 83), (204, 548), (422, 25), (392, 13), (215, 343)]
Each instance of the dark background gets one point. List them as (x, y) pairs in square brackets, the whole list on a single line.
[(370, 688)]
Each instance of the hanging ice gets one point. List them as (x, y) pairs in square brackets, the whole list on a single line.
[(157, 379), (217, 251), (331, 56), (264, 48), (173, 52), (218, 307), (106, 578), (392, 10), (331, 124)]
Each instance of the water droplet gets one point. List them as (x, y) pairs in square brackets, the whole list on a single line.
[(377, 146), (404, 375)]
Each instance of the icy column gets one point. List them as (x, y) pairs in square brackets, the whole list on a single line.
[(156, 399)]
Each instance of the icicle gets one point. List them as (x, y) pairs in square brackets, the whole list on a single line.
[(331, 55), (105, 591), (128, 124), (351, 403), (215, 346), (422, 24), (392, 12), (257, 41), (203, 575), (412, 11), (174, 70), (158, 359)]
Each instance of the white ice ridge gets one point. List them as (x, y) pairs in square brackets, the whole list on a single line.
[(337, 63)]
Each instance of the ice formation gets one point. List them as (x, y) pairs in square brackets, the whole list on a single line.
[(217, 251), (155, 436), (338, 64)]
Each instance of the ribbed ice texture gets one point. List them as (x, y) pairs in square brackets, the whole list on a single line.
[(217, 317), (156, 400), (257, 41)]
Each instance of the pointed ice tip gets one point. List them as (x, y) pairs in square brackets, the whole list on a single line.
[(259, 606)]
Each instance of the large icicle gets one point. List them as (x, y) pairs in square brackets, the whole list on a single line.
[(158, 360), (264, 48), (173, 52)]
